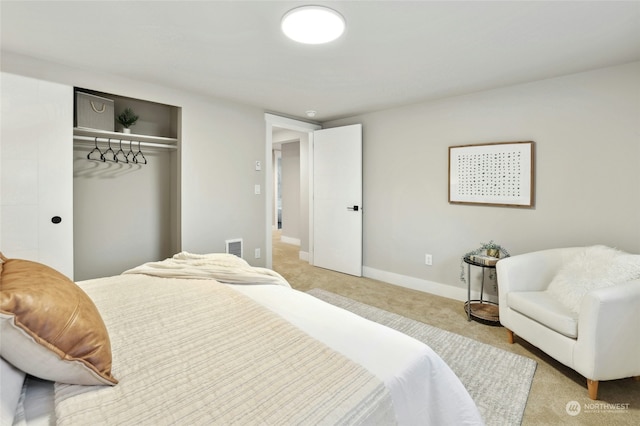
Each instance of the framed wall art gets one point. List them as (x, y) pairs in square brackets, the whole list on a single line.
[(496, 174)]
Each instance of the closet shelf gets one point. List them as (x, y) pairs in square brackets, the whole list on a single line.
[(103, 134)]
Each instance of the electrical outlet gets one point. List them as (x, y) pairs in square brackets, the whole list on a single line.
[(428, 259), (256, 189), (257, 254)]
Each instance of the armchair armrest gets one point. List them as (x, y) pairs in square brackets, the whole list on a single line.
[(608, 346)]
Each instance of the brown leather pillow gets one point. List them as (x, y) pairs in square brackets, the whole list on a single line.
[(50, 328)]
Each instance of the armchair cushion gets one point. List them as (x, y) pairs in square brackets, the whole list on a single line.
[(544, 308), (593, 268)]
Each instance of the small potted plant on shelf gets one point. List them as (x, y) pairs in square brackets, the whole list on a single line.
[(127, 118), (490, 249)]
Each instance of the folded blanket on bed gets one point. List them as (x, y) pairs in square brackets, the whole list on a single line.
[(226, 268), (196, 352)]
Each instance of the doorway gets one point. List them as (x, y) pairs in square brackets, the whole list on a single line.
[(291, 188), (303, 132), (333, 210)]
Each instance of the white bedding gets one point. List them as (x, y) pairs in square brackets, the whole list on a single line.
[(36, 406), (423, 388)]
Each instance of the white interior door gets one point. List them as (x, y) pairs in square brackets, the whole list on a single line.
[(36, 220), (337, 199)]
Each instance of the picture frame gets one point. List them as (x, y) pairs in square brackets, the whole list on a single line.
[(492, 174)]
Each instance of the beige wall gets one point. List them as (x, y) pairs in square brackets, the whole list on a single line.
[(586, 128)]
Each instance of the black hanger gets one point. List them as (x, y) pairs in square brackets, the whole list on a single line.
[(131, 156), (113, 154), (101, 158), (124, 156), (135, 158)]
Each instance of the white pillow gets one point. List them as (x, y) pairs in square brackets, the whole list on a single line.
[(596, 267), (10, 390)]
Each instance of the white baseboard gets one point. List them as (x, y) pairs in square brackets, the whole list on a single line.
[(290, 240), (303, 255), (444, 290)]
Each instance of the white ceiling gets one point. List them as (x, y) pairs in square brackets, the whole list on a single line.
[(393, 52)]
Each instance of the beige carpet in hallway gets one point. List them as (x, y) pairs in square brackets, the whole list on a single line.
[(554, 385)]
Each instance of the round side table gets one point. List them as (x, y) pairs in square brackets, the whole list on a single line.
[(480, 310)]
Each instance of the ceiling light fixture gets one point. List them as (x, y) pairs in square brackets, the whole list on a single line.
[(313, 24), (311, 113)]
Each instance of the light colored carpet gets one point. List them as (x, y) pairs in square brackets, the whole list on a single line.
[(554, 385), (497, 380)]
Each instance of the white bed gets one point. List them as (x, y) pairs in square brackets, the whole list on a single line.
[(171, 377)]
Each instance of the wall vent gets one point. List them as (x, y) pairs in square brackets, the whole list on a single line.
[(234, 247)]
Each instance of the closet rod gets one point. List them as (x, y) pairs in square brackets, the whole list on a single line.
[(116, 140)]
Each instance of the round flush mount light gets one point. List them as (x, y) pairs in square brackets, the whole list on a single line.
[(311, 113), (313, 24)]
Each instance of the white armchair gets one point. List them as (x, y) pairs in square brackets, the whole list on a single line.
[(601, 341)]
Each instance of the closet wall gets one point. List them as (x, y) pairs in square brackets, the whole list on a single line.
[(126, 204)]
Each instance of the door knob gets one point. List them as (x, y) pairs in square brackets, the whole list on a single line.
[(354, 208), (56, 219)]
